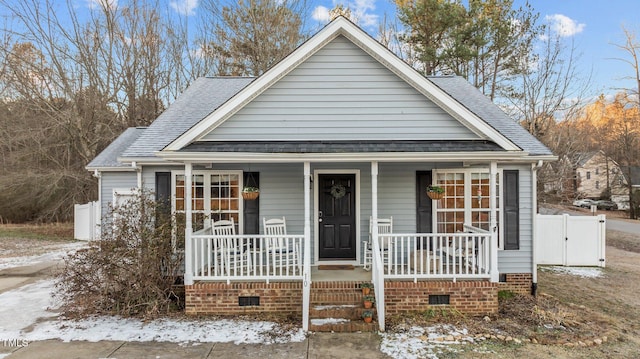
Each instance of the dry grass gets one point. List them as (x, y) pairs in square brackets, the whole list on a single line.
[(570, 309), (51, 231), (21, 240)]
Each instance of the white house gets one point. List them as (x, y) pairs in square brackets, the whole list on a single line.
[(340, 136), (595, 172)]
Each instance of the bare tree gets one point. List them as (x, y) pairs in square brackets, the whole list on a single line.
[(628, 146), (548, 88), (247, 37), (71, 84), (632, 48)]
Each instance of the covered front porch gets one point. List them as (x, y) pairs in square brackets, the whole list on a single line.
[(463, 253)]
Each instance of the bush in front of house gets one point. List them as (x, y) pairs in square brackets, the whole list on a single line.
[(131, 271)]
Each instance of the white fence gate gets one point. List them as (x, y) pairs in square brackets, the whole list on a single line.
[(571, 240), (85, 221)]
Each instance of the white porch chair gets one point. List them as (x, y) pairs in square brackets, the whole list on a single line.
[(230, 252), (283, 254), (385, 226)]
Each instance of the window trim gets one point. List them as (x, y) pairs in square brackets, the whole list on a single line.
[(468, 197), (207, 193)]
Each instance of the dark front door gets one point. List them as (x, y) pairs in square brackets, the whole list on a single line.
[(337, 216)]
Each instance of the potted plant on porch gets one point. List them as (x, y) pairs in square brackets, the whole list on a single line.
[(250, 193), (366, 287), (367, 315), (435, 192), (368, 301)]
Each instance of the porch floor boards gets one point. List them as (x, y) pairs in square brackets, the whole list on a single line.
[(351, 275)]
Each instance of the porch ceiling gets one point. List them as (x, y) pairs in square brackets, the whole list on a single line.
[(343, 146)]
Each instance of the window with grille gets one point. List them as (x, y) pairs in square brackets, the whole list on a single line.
[(215, 195), (466, 200)]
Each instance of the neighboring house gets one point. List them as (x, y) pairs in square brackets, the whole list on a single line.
[(595, 172), (336, 135), (635, 178)]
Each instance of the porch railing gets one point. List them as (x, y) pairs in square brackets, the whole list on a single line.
[(247, 257), (436, 255)]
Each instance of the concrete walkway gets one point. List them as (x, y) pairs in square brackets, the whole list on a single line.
[(12, 278), (318, 345)]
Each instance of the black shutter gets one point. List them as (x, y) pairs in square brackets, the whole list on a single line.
[(251, 210), (511, 202), (423, 203), (163, 196)]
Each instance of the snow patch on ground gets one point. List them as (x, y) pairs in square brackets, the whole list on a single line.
[(419, 342), (55, 255), (29, 313), (584, 272)]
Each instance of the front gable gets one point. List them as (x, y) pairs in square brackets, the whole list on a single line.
[(340, 93), (343, 32)]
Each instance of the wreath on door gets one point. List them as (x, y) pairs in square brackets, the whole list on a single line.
[(338, 191)]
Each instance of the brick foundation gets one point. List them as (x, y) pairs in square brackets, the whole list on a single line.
[(222, 298), (467, 297), (519, 283)]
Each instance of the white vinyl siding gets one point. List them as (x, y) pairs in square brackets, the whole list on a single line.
[(341, 93), (281, 194), (520, 261), (111, 181)]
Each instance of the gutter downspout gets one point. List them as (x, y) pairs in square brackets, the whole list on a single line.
[(534, 214), (98, 220), (138, 172)]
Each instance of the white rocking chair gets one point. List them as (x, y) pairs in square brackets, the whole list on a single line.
[(283, 254), (385, 226), (230, 253)]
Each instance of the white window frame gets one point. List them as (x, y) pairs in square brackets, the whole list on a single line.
[(468, 197), (207, 194)]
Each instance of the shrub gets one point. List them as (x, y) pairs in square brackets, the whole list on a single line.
[(130, 271)]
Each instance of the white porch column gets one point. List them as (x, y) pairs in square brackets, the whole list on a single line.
[(534, 219), (306, 281), (376, 270), (493, 176), (188, 230), (374, 201)]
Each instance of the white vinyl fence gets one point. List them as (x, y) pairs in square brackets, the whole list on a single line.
[(570, 240), (85, 221)]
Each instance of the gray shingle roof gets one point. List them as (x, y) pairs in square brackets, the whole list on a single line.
[(470, 97), (206, 94), (201, 98), (108, 158), (341, 146)]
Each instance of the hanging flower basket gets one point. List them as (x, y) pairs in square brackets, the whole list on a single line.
[(435, 192), (250, 193)]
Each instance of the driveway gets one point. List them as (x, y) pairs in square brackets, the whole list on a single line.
[(623, 226), (615, 224)]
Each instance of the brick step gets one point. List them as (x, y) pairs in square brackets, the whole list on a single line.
[(337, 307), (347, 326), (352, 312), (336, 286), (336, 298)]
